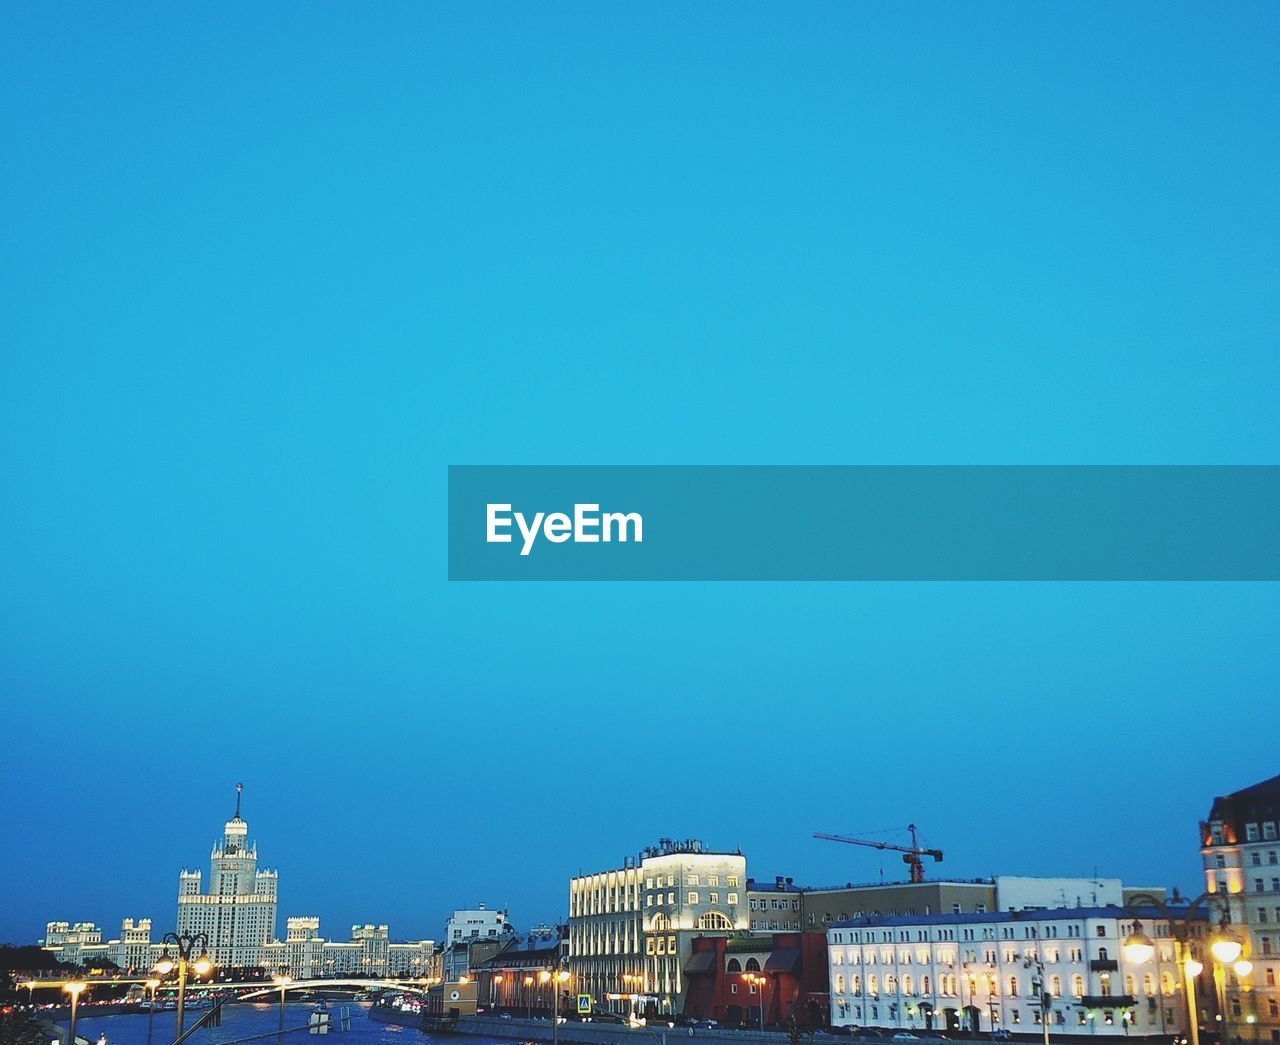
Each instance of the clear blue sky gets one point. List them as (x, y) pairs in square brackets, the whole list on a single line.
[(269, 269)]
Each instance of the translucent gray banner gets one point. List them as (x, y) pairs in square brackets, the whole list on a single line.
[(848, 523)]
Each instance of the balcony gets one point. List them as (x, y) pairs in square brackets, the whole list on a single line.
[(1108, 1001), (1104, 965)]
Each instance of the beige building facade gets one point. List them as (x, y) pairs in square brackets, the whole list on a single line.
[(631, 927)]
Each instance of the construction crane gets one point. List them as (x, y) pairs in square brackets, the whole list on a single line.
[(910, 854)]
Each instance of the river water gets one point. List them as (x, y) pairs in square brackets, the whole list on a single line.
[(242, 1019)]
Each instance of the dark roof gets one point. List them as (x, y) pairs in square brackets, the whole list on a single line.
[(772, 887), (701, 961), (1043, 914), (784, 959), (1250, 804)]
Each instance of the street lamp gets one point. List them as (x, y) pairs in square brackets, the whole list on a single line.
[(544, 977), (282, 981), (528, 997), (561, 977), (633, 982), (1046, 1001), (186, 945), (152, 984), (1226, 948), (758, 982), (74, 988), (1139, 948)]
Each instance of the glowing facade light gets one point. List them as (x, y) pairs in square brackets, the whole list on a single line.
[(1193, 967), (1243, 967), (74, 987), (202, 965), (164, 966)]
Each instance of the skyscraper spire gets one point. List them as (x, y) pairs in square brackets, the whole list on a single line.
[(239, 789)]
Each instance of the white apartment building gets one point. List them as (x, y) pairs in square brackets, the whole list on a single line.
[(466, 926), (1240, 846), (304, 954), (630, 928), (987, 971), (238, 913), (475, 923), (73, 942)]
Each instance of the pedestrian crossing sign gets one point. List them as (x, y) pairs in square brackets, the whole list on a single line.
[(584, 1004)]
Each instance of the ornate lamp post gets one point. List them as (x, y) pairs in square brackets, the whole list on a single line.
[(73, 988), (528, 997), (1224, 948), (185, 944)]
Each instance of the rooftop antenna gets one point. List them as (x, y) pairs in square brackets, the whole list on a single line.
[(239, 791)]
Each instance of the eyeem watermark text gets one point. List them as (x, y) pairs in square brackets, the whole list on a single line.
[(588, 525)]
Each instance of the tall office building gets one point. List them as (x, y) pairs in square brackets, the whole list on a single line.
[(239, 911)]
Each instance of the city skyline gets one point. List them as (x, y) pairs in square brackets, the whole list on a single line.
[(421, 921)]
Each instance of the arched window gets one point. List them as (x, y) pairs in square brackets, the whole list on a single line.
[(1102, 954), (661, 923), (1055, 986), (907, 985), (1077, 986), (753, 965), (924, 984), (713, 920), (840, 983), (855, 984), (1013, 986), (734, 965), (890, 984), (873, 985)]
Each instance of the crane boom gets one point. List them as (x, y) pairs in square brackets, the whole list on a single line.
[(911, 854)]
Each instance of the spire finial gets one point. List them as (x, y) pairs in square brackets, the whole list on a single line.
[(239, 790)]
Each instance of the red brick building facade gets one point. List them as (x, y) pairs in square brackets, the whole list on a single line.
[(730, 979)]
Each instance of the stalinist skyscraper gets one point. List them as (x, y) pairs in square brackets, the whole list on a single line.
[(239, 910)]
